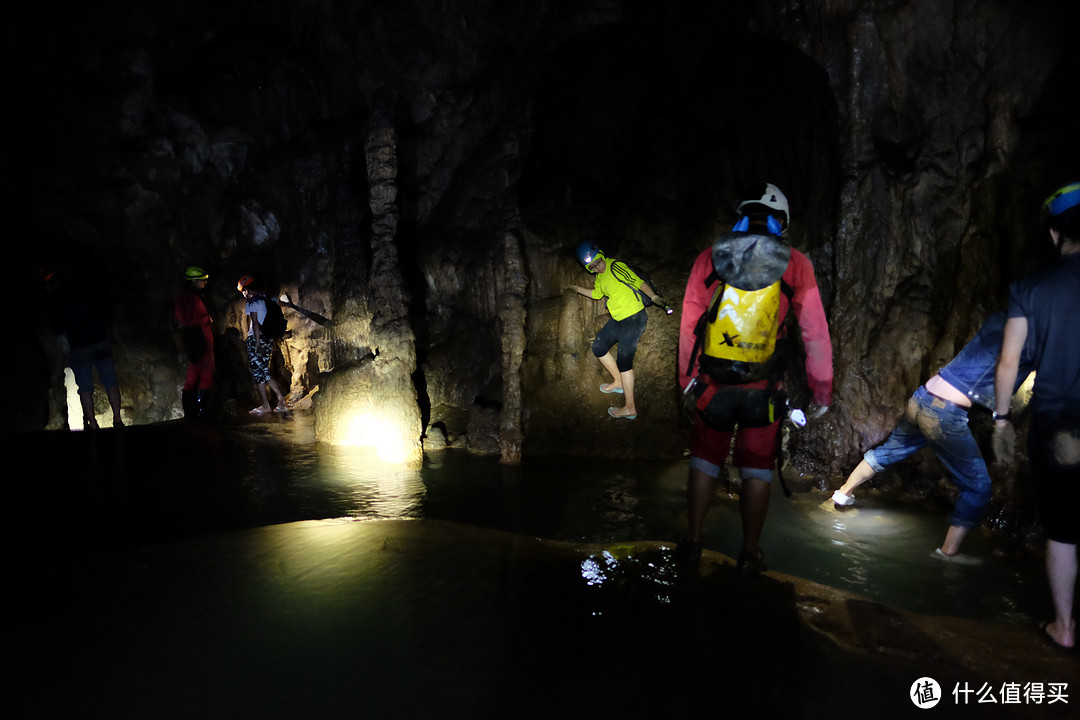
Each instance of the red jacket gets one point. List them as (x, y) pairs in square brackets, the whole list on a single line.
[(808, 311), (190, 309)]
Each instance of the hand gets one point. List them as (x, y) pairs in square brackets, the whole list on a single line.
[(1004, 442), (816, 411), (661, 303)]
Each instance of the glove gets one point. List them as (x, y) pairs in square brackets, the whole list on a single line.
[(1004, 443), (817, 411)]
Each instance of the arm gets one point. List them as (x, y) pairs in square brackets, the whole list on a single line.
[(253, 320), (695, 303), (628, 277), (650, 293), (1008, 364), (814, 328), (586, 292)]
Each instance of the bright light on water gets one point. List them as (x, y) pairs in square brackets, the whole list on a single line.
[(867, 524), (370, 486)]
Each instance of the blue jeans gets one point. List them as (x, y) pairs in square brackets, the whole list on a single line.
[(943, 425)]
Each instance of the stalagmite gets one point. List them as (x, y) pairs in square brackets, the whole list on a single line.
[(373, 403), (512, 315)]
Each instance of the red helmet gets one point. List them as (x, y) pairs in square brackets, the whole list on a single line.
[(244, 282)]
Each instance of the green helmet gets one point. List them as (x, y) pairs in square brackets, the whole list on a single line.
[(195, 273)]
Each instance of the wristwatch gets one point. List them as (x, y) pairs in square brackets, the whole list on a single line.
[(1003, 416)]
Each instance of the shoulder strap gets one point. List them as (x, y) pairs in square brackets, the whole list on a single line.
[(622, 272), (706, 317)]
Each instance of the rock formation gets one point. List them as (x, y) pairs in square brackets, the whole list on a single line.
[(421, 171)]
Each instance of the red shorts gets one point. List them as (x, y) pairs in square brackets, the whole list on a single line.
[(754, 447)]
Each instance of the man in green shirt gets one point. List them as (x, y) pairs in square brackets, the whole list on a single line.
[(620, 285)]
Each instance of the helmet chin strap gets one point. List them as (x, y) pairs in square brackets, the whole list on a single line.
[(775, 227)]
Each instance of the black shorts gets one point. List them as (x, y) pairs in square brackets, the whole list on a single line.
[(1054, 449), (626, 333)]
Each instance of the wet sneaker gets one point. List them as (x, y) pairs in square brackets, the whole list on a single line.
[(842, 500), (688, 553), (751, 563)]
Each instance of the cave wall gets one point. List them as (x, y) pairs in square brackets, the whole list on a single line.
[(914, 139)]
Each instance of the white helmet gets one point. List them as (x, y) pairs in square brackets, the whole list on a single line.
[(771, 198)]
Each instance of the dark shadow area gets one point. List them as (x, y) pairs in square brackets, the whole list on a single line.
[(428, 619), (650, 120)]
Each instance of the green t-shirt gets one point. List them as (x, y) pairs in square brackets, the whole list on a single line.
[(618, 282)]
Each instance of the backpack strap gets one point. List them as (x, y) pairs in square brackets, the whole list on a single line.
[(620, 271)]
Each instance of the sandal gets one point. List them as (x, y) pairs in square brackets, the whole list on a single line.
[(1045, 628)]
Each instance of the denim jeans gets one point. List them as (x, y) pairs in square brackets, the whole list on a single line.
[(943, 425)]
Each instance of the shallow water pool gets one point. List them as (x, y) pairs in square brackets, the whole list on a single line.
[(148, 485)]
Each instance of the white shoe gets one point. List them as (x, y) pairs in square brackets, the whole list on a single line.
[(841, 499), (958, 558)]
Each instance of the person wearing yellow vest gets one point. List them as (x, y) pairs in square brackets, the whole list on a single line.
[(620, 285)]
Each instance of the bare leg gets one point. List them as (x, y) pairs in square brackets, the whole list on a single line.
[(953, 538), (1061, 564), (753, 506), (858, 476), (699, 494), (114, 403), (608, 361), (627, 378), (265, 407), (87, 401), (623, 380), (277, 391)]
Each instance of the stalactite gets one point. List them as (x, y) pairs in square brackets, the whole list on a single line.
[(512, 315)]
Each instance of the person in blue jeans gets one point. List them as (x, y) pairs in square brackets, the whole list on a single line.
[(937, 416)]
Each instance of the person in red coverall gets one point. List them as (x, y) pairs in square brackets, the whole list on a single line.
[(198, 339), (763, 218)]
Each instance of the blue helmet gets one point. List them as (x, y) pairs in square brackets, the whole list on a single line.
[(587, 252), (1061, 200)]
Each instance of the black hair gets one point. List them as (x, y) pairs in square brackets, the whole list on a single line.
[(1066, 223)]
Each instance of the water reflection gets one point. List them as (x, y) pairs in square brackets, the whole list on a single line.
[(880, 549), (372, 487), (652, 574), (125, 488)]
